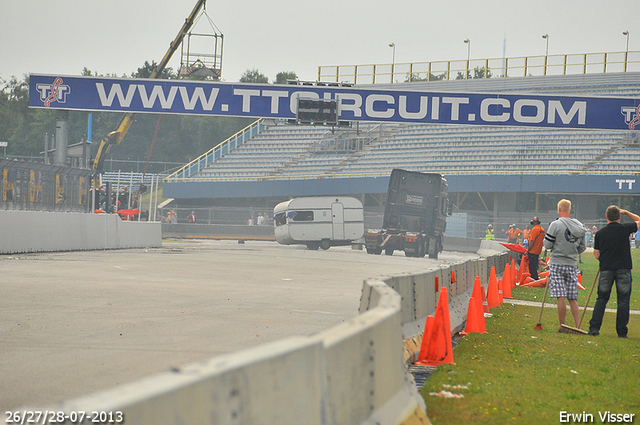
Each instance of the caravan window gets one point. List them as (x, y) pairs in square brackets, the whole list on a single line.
[(300, 215), (280, 219)]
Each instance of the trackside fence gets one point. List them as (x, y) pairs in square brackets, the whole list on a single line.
[(522, 66), (42, 187)]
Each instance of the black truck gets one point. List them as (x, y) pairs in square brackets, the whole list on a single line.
[(415, 215)]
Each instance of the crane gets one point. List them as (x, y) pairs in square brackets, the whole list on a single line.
[(115, 137)]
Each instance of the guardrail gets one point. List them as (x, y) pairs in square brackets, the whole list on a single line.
[(523, 66), (219, 150)]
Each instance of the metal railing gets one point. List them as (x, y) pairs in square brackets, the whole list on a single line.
[(37, 186), (219, 150), (587, 63), (386, 174)]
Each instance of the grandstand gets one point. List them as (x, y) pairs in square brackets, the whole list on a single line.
[(286, 151), (285, 160)]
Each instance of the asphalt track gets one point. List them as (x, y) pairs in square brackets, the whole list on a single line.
[(73, 323)]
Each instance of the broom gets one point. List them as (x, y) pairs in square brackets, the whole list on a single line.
[(564, 329), (539, 325)]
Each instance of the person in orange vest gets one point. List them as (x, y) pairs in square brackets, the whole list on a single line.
[(525, 235), (534, 247), (513, 233)]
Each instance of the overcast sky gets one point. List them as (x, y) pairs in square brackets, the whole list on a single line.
[(116, 36)]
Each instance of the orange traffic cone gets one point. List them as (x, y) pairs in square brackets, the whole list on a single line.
[(439, 347), (506, 290), (424, 346), (478, 296), (485, 303), (526, 279), (500, 296), (580, 281), (492, 291), (536, 283), (475, 320), (522, 269), (513, 274), (506, 282)]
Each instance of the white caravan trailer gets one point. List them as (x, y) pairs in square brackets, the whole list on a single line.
[(319, 222)]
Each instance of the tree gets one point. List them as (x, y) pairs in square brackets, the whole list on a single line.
[(282, 77), (477, 73), (253, 76), (415, 78), (148, 68)]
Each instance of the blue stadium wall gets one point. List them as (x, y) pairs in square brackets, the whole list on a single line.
[(539, 183)]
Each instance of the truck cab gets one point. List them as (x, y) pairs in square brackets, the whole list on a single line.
[(415, 216)]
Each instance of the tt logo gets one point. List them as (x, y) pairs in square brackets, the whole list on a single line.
[(623, 181), (53, 92), (631, 116)]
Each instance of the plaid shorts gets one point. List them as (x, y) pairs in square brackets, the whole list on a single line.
[(563, 281)]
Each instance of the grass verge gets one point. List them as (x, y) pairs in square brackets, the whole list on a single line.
[(515, 374)]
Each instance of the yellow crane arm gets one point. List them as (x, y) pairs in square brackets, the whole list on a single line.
[(116, 136)]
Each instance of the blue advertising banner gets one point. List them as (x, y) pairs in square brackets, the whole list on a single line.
[(354, 104)]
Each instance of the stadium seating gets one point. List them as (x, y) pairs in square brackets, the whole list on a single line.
[(289, 151)]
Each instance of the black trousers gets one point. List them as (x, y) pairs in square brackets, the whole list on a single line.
[(534, 261)]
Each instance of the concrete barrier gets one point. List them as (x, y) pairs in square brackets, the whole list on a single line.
[(490, 248), (276, 383), (460, 244), (353, 373), (43, 231), (217, 231), (364, 365)]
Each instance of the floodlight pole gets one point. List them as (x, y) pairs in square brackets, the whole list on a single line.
[(468, 43), (626, 52), (546, 53), (393, 62)]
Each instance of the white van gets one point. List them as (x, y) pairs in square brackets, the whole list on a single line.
[(319, 222)]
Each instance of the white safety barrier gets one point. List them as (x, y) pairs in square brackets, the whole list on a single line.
[(43, 231), (351, 374)]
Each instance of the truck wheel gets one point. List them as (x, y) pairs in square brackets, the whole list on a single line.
[(325, 244), (313, 246), (436, 249), (388, 251), (422, 247), (378, 251), (371, 251)]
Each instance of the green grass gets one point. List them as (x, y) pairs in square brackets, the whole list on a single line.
[(516, 374), (589, 268)]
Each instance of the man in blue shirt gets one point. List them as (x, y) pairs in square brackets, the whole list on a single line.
[(611, 247)]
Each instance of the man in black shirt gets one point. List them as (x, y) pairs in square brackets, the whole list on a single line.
[(612, 248)]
